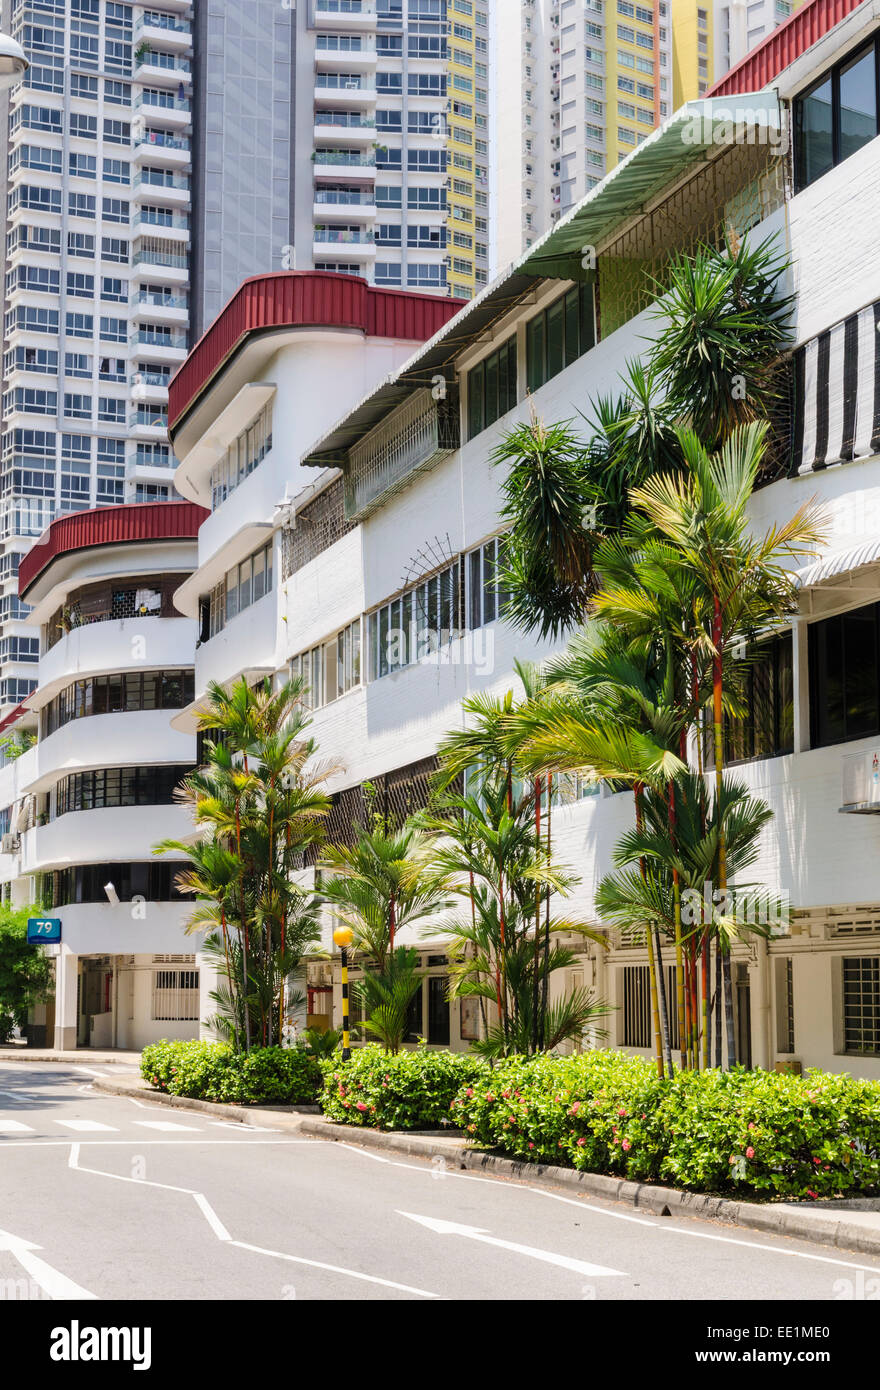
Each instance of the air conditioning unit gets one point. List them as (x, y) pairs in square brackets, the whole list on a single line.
[(861, 782), (10, 843)]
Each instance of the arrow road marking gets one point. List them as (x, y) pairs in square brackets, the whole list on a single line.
[(50, 1280), (452, 1228)]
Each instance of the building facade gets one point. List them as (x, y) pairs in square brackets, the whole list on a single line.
[(84, 806), (96, 290), (390, 522)]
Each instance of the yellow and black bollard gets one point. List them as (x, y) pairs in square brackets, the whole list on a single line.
[(342, 936)]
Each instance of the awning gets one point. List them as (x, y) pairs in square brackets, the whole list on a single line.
[(837, 394), (696, 131), (840, 563)]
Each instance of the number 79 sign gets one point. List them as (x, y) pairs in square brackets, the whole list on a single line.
[(43, 930)]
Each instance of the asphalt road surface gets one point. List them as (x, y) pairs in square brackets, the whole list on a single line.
[(112, 1198)]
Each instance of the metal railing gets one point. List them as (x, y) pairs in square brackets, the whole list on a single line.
[(344, 197), (344, 236), (347, 159)]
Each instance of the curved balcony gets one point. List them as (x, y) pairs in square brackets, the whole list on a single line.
[(117, 645), (109, 833), (107, 740), (106, 929)]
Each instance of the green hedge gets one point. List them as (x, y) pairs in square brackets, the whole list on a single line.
[(746, 1132), (413, 1090), (211, 1071)]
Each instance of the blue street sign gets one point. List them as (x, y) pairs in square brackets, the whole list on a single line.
[(43, 930)]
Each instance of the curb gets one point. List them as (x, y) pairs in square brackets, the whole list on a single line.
[(814, 1226)]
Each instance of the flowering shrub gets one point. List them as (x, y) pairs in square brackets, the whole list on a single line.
[(740, 1132), (211, 1071), (413, 1090)]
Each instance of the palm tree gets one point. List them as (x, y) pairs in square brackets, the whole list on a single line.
[(382, 884), (257, 806)]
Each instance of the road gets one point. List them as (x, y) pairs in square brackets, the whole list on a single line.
[(113, 1198)]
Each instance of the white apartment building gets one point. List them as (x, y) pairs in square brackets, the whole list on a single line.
[(390, 518), (97, 273), (82, 809)]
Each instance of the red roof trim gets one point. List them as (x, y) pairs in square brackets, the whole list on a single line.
[(780, 49), (14, 717), (130, 524), (303, 298)]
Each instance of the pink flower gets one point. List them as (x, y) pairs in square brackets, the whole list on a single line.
[(811, 1193), (581, 1142), (531, 1146), (751, 1124), (626, 1146), (472, 1129), (575, 1108), (750, 1152), (817, 1161), (469, 1092), (622, 1114), (360, 1105), (489, 1096)]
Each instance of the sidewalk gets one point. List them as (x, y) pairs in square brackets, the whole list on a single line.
[(853, 1226), (83, 1056)]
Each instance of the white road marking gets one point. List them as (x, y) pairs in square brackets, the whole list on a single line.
[(221, 1232), (139, 1103), (13, 1127), (88, 1126), (211, 1217), (166, 1125), (150, 1143), (90, 1071), (772, 1249), (335, 1269), (51, 1281), (549, 1257)]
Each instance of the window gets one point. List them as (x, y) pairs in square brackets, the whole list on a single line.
[(331, 669), (492, 388), (416, 624), (81, 244), (636, 1012), (485, 597), (767, 729), (113, 330), (81, 204), (242, 457), (248, 582), (861, 1005), (115, 210), (836, 116), (559, 335), (85, 883), (118, 694), (784, 1004), (119, 786), (844, 696), (175, 996)]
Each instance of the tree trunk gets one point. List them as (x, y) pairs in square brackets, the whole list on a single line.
[(664, 1008), (655, 1001), (728, 1011), (537, 956), (717, 1003)]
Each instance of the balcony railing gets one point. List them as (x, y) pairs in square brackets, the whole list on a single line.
[(144, 417), (149, 379), (160, 139), (348, 159), (155, 217), (147, 257), (412, 439), (344, 82), (344, 236), (169, 62), (159, 301), (153, 20), (349, 119), (162, 101), (345, 43), (147, 459), (344, 197), (364, 7), (144, 338), (160, 178)]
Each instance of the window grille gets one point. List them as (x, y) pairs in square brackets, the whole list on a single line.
[(861, 1005), (148, 596), (319, 525), (412, 439), (728, 195), (175, 996)]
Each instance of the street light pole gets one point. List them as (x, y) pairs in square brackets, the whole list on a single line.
[(343, 936)]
